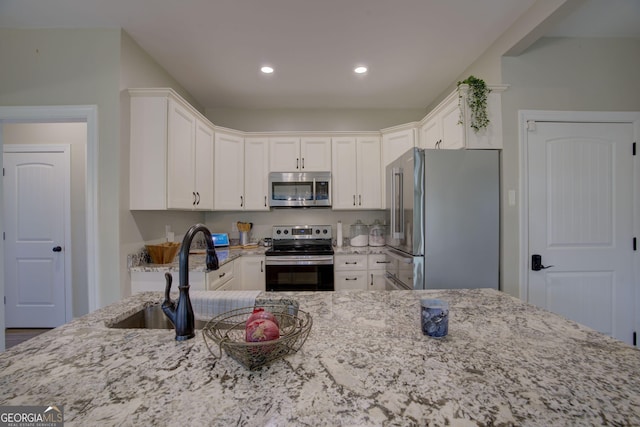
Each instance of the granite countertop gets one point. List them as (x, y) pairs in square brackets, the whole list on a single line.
[(365, 363), (197, 260), (358, 250)]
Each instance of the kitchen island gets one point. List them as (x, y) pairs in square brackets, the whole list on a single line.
[(365, 363)]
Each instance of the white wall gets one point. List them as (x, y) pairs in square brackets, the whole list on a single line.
[(74, 67), (74, 134), (278, 119), (573, 74)]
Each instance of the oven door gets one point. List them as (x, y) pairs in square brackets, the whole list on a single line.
[(303, 273)]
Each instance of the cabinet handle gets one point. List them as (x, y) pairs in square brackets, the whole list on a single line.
[(261, 266), (303, 163), (351, 262), (194, 198), (265, 201), (359, 199), (371, 279), (220, 276), (297, 163), (241, 201), (383, 262), (198, 194), (354, 200), (351, 278)]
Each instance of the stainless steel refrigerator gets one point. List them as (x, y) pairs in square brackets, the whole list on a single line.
[(443, 219)]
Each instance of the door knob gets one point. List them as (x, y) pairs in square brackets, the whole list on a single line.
[(536, 263), (57, 249)]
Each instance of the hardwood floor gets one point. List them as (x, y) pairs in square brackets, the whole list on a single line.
[(14, 336)]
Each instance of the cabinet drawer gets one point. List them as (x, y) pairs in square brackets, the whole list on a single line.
[(350, 262), (377, 261), (344, 280), (219, 277)]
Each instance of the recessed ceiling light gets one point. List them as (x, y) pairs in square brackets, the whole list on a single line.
[(360, 70), (266, 69)]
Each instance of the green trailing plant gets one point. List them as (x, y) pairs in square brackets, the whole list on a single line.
[(476, 97)]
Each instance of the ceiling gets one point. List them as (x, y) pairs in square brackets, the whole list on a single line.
[(413, 48)]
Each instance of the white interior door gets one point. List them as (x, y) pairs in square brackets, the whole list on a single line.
[(581, 193), (36, 200)]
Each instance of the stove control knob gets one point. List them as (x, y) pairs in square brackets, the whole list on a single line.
[(286, 231), (317, 231), (325, 231), (278, 231)]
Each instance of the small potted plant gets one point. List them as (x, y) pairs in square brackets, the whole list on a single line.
[(476, 97)]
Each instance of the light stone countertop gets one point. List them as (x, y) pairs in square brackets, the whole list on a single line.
[(197, 260), (365, 363)]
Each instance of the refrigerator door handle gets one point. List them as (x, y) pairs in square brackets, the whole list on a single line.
[(397, 203)]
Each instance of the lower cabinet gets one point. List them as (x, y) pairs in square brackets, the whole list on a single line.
[(376, 269), (362, 272), (222, 278), (251, 275), (154, 281)]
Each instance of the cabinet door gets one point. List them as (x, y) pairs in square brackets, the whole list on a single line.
[(396, 143), (228, 189), (452, 129), (180, 157), (284, 154), (256, 174), (347, 280), (377, 280), (369, 173), (343, 173), (252, 276), (431, 132), (315, 154), (204, 166)]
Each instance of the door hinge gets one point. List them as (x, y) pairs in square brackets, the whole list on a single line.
[(635, 338), (531, 125)]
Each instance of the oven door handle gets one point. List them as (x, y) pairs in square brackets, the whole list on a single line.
[(285, 260)]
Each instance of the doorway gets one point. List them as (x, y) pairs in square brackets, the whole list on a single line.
[(577, 256), (87, 114)]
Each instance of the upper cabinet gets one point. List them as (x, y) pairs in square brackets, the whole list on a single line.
[(228, 183), (357, 173), (396, 141), (305, 154), (447, 125), (256, 173), (171, 153)]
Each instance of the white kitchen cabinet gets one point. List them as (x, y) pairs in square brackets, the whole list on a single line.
[(154, 281), (251, 273), (356, 173), (376, 270), (396, 141), (228, 191), (256, 174), (171, 153), (350, 272), (295, 154), (447, 125), (222, 277)]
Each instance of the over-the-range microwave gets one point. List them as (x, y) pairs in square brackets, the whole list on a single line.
[(299, 189)]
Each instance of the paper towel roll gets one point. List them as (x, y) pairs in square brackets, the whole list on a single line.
[(339, 234)]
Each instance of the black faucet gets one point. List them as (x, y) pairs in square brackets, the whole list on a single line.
[(181, 312)]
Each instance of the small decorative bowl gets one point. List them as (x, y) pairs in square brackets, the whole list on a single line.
[(227, 330)]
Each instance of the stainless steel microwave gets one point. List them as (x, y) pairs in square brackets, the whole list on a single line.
[(299, 189)]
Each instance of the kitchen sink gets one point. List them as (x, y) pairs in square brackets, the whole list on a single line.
[(151, 317)]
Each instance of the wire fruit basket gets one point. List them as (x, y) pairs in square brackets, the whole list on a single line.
[(227, 331)]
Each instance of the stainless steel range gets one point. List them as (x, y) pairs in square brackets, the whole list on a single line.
[(300, 259)]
